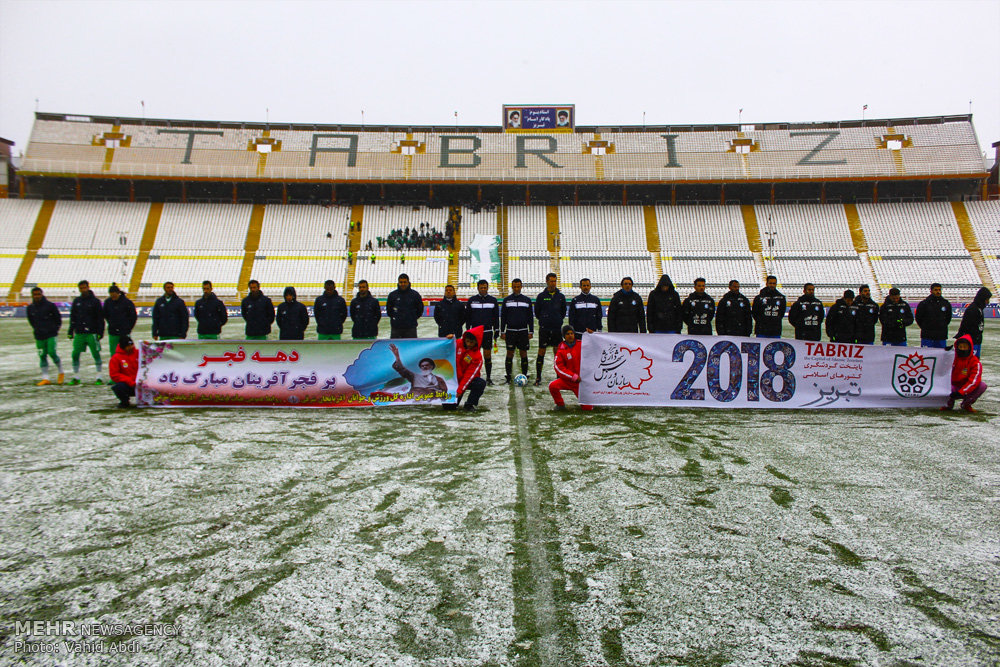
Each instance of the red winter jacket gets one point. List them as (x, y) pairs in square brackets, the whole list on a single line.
[(124, 367), (568, 362), (469, 362), (967, 373)]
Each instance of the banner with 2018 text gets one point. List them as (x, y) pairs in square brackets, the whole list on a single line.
[(734, 372), (315, 374)]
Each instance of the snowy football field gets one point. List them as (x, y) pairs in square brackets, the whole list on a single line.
[(513, 536)]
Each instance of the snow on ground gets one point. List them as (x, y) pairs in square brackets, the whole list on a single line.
[(515, 536)]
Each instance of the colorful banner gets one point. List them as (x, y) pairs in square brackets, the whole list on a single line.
[(558, 118), (314, 374), (734, 372), (484, 258)]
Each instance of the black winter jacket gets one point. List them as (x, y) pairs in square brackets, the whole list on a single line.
[(120, 315), (44, 318), (933, 317), (450, 317), (210, 314), (626, 314), (698, 311), (258, 312), (86, 315), (365, 314), (330, 312), (732, 316), (840, 322), (895, 317), (768, 312), (663, 308), (170, 318), (972, 322), (404, 308), (806, 315)]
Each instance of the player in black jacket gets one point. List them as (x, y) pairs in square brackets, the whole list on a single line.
[(841, 318), (258, 312), (769, 310), (483, 310), (585, 311), (449, 313), (807, 315), (972, 321), (867, 316), (698, 310), (550, 309), (625, 312), (120, 314), (170, 315), (895, 315), (933, 317), (329, 311), (404, 307), (45, 321), (292, 317), (210, 313), (365, 313), (517, 327), (732, 316), (86, 328), (663, 308)]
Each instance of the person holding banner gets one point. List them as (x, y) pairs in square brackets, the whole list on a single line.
[(170, 315), (806, 315), (292, 317), (567, 366), (516, 327), (895, 315), (449, 313), (258, 312), (210, 313), (769, 310), (585, 311), (840, 321), (966, 376), (330, 311), (732, 317), (933, 317), (625, 312), (864, 325), (123, 369), (404, 307), (365, 314), (468, 363), (698, 310), (663, 308)]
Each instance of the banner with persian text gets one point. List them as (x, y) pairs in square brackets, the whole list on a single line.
[(314, 374), (735, 372)]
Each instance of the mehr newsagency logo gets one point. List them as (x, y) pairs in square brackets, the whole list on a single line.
[(913, 375)]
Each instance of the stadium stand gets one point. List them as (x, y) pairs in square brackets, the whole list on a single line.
[(18, 216)]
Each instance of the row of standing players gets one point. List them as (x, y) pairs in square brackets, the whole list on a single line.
[(850, 320)]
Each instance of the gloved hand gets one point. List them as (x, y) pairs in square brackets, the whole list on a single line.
[(576, 378), (70, 335), (954, 396), (948, 348), (99, 336)]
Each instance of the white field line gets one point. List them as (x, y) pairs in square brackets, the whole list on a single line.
[(541, 573)]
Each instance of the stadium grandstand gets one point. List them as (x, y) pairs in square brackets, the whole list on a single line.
[(893, 203)]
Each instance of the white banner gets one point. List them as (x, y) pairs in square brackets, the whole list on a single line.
[(735, 372)]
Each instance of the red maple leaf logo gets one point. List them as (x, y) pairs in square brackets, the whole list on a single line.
[(914, 365), (636, 369)]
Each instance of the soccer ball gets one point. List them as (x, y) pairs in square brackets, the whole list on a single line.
[(521, 380)]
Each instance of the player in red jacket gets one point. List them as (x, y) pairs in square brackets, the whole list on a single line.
[(966, 376), (567, 366), (469, 361), (123, 368)]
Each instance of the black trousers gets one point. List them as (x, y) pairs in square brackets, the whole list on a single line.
[(397, 332), (123, 391), (475, 391)]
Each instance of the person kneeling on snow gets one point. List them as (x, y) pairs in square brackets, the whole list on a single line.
[(469, 360), (123, 368), (567, 366), (966, 376)]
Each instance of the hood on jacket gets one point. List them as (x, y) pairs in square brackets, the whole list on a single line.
[(982, 297), (290, 290), (477, 333), (972, 347), (665, 281)]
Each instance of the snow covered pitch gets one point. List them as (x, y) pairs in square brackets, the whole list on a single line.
[(513, 536)]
